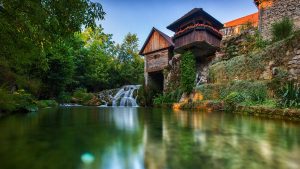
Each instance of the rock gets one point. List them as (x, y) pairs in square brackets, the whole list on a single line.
[(297, 57), (291, 62)]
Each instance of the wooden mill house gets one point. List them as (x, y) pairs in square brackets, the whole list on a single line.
[(196, 31)]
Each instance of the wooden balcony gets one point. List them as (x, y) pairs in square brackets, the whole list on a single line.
[(201, 40)]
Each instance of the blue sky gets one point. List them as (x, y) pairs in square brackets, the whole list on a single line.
[(139, 16)]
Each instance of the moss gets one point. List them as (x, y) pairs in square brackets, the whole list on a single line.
[(251, 90), (240, 67)]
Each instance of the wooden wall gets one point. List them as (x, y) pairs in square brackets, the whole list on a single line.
[(196, 36), (157, 61), (155, 43)]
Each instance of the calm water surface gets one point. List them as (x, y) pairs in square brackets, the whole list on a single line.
[(139, 138)]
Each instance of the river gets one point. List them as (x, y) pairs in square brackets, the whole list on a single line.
[(145, 138)]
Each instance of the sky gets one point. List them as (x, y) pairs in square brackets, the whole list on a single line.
[(139, 16)]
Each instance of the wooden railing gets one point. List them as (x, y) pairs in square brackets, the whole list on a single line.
[(197, 34)]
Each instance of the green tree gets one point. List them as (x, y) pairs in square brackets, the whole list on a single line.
[(131, 64), (61, 69), (31, 28), (188, 72)]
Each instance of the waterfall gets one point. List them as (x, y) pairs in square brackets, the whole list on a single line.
[(125, 96)]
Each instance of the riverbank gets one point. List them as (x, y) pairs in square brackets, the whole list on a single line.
[(287, 114)]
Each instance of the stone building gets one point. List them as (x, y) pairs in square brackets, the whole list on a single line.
[(271, 11)]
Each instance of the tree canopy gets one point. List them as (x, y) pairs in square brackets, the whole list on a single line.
[(50, 48)]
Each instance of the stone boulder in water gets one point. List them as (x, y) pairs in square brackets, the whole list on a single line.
[(106, 96)]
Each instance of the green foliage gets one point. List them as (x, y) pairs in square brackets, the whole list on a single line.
[(46, 54), (260, 43), (188, 72), (24, 101), (254, 92), (7, 102), (60, 71), (64, 97), (282, 29), (171, 97), (240, 67), (254, 41), (81, 96), (289, 95), (18, 101), (230, 52), (46, 103), (232, 100)]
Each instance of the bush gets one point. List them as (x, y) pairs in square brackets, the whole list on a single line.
[(64, 97), (81, 96), (19, 101), (24, 101), (251, 91), (289, 95), (46, 103), (7, 102), (282, 29), (254, 92), (188, 72), (232, 100), (171, 97)]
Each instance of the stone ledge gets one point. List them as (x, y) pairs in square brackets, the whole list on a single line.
[(274, 113)]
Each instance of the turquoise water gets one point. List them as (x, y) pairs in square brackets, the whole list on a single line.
[(144, 138)]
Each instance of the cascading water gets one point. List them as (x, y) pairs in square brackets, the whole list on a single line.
[(125, 96)]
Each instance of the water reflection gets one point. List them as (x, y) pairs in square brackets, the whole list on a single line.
[(137, 138), (125, 118)]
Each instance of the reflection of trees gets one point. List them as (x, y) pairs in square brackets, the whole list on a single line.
[(217, 140), (154, 148), (58, 139)]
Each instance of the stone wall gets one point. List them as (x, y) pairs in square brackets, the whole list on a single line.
[(172, 75), (202, 68), (157, 61), (294, 65), (283, 56), (275, 12)]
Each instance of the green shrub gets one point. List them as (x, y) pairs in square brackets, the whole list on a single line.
[(64, 97), (252, 91), (7, 102), (146, 95), (211, 91), (255, 92), (289, 95), (171, 97), (230, 52), (24, 101), (19, 101), (188, 72), (82, 96), (46, 103), (259, 42), (232, 100), (282, 29)]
